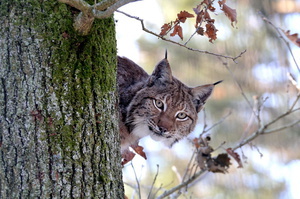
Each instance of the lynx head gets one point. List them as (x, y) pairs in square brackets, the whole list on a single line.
[(165, 108)]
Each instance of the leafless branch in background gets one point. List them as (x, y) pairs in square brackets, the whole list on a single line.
[(154, 180), (137, 182), (282, 37)]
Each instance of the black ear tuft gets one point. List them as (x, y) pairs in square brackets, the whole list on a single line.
[(218, 82), (166, 54)]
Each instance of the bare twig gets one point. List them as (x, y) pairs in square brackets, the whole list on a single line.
[(263, 130), (137, 182), (281, 36), (247, 129), (241, 89), (219, 122), (158, 189), (293, 81), (189, 39), (204, 121), (179, 44), (154, 180), (178, 187), (188, 167), (257, 149), (282, 127)]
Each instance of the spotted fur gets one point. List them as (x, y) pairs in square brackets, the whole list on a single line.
[(158, 105)]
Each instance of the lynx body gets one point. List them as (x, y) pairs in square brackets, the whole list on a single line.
[(158, 105)]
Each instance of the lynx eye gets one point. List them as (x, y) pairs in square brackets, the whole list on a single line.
[(158, 104), (182, 116)]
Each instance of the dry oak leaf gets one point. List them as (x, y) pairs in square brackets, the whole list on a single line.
[(215, 168), (219, 164), (209, 5), (229, 12), (223, 160), (211, 31), (196, 143), (127, 156), (177, 31), (236, 156), (139, 150), (164, 29), (200, 31), (183, 15), (294, 38), (207, 16)]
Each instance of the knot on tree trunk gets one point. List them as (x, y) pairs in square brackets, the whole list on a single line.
[(83, 23)]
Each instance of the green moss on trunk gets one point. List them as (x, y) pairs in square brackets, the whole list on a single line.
[(69, 116)]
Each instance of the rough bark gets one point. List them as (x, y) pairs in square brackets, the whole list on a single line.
[(58, 118)]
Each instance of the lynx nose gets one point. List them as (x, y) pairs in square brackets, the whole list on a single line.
[(162, 129)]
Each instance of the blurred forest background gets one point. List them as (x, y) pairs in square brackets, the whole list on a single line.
[(271, 162)]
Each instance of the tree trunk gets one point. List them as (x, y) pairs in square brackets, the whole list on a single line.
[(58, 117)]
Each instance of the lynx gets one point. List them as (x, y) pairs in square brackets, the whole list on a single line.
[(158, 105)]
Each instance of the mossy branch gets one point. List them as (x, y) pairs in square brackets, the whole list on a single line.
[(84, 21)]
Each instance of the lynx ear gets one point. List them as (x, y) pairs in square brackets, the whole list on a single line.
[(201, 94), (162, 72)]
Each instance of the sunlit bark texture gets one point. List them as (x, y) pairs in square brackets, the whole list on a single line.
[(58, 123)]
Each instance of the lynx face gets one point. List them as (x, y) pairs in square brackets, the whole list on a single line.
[(165, 108)]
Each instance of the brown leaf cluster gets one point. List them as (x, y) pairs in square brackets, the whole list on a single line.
[(204, 23), (175, 25), (219, 164)]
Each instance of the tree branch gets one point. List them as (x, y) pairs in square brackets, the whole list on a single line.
[(178, 187), (279, 31), (216, 124), (81, 5), (137, 182), (110, 10), (263, 129), (84, 21), (179, 44), (282, 127), (241, 89), (154, 180), (104, 4)]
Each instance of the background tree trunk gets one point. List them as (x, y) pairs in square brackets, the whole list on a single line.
[(58, 122)]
